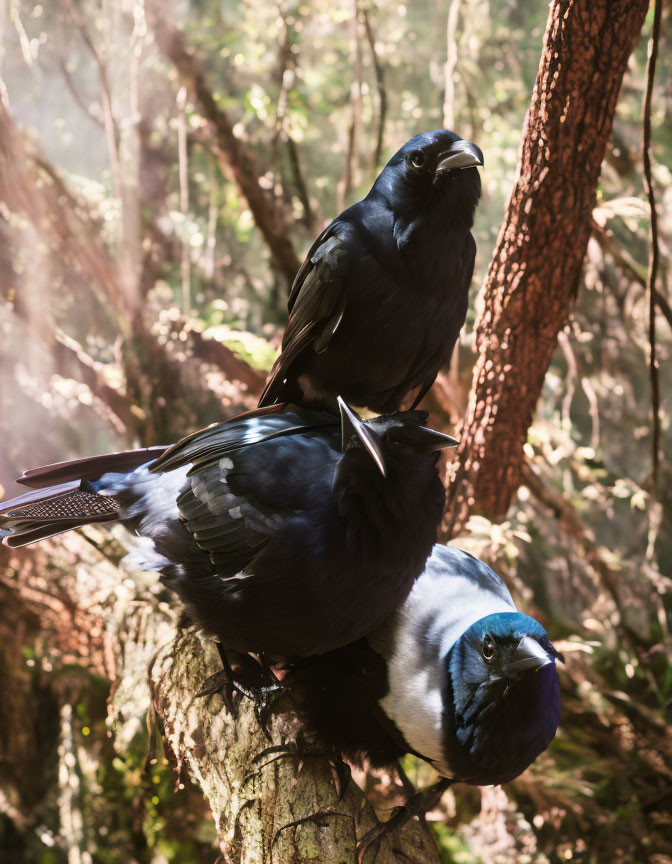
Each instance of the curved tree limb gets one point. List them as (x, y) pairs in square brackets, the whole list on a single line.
[(629, 266), (379, 70)]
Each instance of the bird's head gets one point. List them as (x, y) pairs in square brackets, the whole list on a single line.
[(389, 437), (434, 175), (502, 699)]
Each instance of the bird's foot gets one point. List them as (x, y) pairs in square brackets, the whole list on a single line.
[(264, 700), (419, 804), (406, 784), (223, 684), (227, 683)]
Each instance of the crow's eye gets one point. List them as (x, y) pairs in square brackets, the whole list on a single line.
[(417, 158), (488, 649)]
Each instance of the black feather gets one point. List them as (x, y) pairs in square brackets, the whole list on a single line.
[(42, 514), (90, 468)]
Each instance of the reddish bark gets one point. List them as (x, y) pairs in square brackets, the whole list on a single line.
[(535, 270)]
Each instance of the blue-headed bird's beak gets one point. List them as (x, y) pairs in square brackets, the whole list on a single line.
[(529, 655)]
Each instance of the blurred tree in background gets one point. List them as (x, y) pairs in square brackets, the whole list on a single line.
[(163, 168)]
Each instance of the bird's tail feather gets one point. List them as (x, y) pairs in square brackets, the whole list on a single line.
[(65, 496), (89, 469), (44, 513)]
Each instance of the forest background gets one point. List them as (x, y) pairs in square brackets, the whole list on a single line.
[(163, 169)]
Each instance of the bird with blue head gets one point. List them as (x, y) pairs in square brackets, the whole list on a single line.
[(503, 699), (456, 675)]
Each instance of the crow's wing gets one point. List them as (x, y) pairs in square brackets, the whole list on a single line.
[(224, 525), (222, 439), (233, 499), (317, 303)]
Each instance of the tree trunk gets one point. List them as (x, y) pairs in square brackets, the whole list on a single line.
[(535, 270), (267, 806)]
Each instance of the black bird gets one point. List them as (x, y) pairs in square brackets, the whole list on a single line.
[(456, 675), (378, 304), (285, 530)]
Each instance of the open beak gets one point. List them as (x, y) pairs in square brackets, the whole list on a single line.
[(351, 425), (529, 655), (462, 154)]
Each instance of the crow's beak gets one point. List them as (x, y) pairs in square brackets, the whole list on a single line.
[(529, 655), (433, 440), (462, 154), (351, 425)]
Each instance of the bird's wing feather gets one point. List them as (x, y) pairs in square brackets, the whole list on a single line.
[(231, 502), (316, 304), (223, 524), (222, 439)]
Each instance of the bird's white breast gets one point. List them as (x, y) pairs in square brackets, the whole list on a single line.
[(454, 591)]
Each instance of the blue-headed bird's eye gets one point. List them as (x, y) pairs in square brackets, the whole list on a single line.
[(417, 158), (488, 649)]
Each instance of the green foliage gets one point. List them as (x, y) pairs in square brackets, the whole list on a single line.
[(452, 848)]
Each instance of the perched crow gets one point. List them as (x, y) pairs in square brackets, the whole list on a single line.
[(378, 304), (285, 530), (456, 675)]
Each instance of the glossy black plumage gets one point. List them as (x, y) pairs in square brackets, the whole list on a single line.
[(377, 306), (276, 539)]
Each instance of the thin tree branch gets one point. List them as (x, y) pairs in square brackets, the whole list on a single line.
[(450, 65), (40, 198), (272, 220), (77, 96), (591, 396), (67, 352), (300, 182), (286, 76), (379, 70), (111, 131), (570, 379), (211, 351), (654, 247), (573, 524), (346, 182), (183, 169), (629, 266), (208, 258)]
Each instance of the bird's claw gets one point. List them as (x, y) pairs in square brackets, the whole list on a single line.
[(264, 700), (418, 805), (295, 750), (226, 683), (221, 683)]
